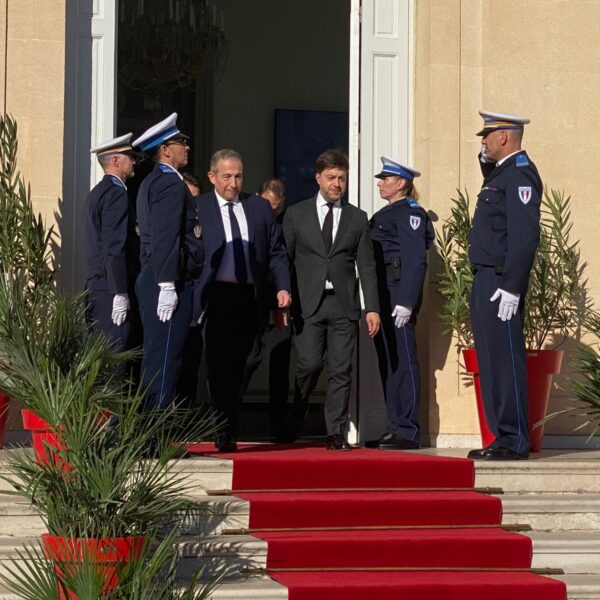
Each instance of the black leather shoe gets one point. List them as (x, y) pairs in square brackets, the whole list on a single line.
[(389, 441), (479, 453), (504, 454), (226, 443), (337, 442)]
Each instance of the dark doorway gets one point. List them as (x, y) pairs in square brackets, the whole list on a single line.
[(274, 56)]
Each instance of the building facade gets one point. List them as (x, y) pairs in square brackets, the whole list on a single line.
[(411, 74)]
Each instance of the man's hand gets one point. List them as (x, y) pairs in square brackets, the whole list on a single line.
[(284, 299), (119, 309), (167, 301), (373, 321), (509, 304), (401, 315), (280, 318)]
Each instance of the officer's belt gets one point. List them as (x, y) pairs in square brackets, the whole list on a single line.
[(498, 269)]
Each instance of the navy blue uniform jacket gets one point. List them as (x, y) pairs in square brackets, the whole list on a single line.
[(506, 224), (403, 231), (267, 253), (166, 217), (106, 231)]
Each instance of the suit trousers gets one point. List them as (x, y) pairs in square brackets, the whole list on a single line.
[(326, 338), (163, 342), (502, 361), (276, 345), (231, 327), (400, 376)]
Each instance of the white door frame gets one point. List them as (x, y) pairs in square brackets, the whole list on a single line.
[(380, 121), (90, 95)]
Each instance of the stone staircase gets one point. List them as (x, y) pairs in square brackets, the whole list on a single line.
[(556, 492)]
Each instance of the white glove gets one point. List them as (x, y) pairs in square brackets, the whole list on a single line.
[(119, 309), (509, 304), (401, 315), (167, 301)]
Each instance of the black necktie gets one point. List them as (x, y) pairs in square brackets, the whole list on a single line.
[(241, 274), (327, 230)]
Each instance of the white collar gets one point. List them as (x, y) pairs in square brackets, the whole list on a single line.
[(322, 202), (172, 169), (222, 202), (507, 157)]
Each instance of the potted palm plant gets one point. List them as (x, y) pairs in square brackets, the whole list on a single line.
[(556, 306), (100, 493), (25, 244), (153, 574)]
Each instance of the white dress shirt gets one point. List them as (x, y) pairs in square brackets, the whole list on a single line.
[(226, 270), (322, 210)]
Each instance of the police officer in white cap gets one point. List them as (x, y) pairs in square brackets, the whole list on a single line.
[(502, 243), (401, 233), (172, 256), (109, 277)]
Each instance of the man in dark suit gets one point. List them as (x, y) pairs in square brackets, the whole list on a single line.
[(327, 240), (107, 227), (246, 263), (172, 257)]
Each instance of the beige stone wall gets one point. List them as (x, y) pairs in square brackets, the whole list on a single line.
[(32, 66), (32, 63), (537, 58)]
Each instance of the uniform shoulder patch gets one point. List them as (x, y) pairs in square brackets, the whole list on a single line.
[(522, 160), (414, 221), (166, 168), (117, 181), (413, 203)]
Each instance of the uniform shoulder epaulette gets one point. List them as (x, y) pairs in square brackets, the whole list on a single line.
[(522, 160), (166, 169), (413, 203), (117, 181)]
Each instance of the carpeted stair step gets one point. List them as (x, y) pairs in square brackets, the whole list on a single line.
[(405, 548), (268, 466), (428, 585), (312, 509), (553, 512)]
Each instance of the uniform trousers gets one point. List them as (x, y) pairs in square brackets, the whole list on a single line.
[(231, 327), (502, 362), (164, 343), (400, 376), (326, 338), (276, 345)]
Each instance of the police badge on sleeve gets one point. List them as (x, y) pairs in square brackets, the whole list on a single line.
[(525, 193), (415, 222)]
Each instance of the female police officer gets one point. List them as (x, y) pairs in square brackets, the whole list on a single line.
[(401, 234)]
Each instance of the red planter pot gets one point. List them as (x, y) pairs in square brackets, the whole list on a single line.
[(541, 366), (4, 403), (44, 437), (108, 553)]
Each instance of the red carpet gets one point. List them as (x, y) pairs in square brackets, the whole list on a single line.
[(400, 514)]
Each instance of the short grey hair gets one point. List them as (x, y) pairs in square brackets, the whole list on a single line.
[(223, 154)]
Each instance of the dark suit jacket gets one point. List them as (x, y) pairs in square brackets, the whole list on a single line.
[(313, 265), (267, 254)]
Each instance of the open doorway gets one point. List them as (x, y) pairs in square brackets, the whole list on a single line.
[(278, 93)]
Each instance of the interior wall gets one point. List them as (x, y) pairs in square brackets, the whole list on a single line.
[(291, 55)]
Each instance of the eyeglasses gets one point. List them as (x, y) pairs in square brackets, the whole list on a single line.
[(178, 143)]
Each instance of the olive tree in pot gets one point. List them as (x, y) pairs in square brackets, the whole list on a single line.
[(555, 309)]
